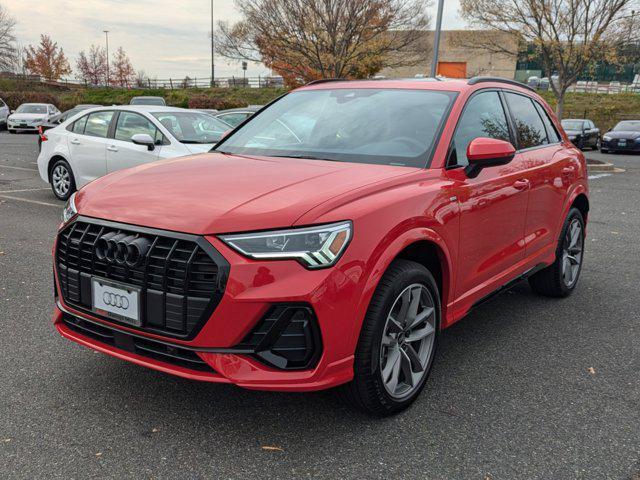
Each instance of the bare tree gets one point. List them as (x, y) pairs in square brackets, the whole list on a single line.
[(8, 53), (304, 40), (141, 79), (567, 35), (92, 67), (122, 72)]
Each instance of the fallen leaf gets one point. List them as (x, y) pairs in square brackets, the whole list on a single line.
[(272, 449), (98, 454), (591, 370), (2, 253), (154, 430), (6, 440)]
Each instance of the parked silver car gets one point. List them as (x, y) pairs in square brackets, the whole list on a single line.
[(4, 113), (29, 116)]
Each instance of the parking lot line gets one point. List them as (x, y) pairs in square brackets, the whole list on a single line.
[(28, 200), (19, 168), (23, 190)]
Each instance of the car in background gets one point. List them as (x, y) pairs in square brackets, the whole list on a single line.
[(102, 140), (235, 116), (624, 137), (60, 118), (4, 113), (158, 101), (29, 116), (582, 132)]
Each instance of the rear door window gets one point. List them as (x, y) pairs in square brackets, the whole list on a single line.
[(529, 127), (98, 124)]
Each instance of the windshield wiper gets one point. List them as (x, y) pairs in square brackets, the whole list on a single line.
[(194, 142), (304, 157)]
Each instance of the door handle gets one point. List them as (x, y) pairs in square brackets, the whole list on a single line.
[(112, 148), (568, 169), (521, 184), (75, 141)]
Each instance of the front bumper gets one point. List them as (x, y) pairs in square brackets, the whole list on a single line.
[(614, 146), (22, 128), (253, 288)]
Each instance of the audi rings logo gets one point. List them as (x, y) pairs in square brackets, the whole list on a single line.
[(122, 248), (115, 300)]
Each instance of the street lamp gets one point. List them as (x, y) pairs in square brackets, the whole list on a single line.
[(213, 72), (436, 40), (106, 34)]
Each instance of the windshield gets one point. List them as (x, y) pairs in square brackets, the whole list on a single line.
[(631, 125), (32, 109), (572, 124), (192, 127), (148, 101), (381, 126)]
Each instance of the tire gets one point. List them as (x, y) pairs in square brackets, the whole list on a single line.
[(603, 150), (376, 349), (11, 131), (61, 172), (561, 277)]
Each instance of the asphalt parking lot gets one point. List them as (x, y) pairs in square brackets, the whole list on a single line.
[(523, 388)]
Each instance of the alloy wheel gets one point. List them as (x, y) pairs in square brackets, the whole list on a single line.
[(61, 179), (572, 253), (407, 341)]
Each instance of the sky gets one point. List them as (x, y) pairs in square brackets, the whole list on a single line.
[(165, 38)]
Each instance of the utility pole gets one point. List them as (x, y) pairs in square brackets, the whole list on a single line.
[(436, 40), (213, 68), (106, 34)]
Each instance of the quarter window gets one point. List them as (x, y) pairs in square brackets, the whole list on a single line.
[(482, 117), (552, 133), (529, 127), (78, 125), (130, 124), (98, 124)]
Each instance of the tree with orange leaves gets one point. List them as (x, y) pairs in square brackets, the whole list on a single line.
[(46, 59), (305, 40)]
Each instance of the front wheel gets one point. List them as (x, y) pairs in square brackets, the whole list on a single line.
[(561, 277), (62, 181), (397, 342)]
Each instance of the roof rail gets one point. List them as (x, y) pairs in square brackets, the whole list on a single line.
[(325, 80), (476, 80)]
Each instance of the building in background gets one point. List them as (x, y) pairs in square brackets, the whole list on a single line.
[(462, 55)]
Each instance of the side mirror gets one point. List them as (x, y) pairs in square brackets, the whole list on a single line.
[(13, 111), (487, 152), (144, 139)]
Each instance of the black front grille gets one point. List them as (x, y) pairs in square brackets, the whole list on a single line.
[(181, 278), (144, 347)]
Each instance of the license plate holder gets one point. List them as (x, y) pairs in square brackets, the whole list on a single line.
[(622, 143), (116, 300)]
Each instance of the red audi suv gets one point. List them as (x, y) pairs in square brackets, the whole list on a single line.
[(327, 240)]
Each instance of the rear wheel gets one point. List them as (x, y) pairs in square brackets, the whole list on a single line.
[(560, 278), (62, 181), (11, 131), (397, 342)]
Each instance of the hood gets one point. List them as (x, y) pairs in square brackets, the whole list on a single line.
[(632, 134), (220, 193), (27, 116), (199, 147)]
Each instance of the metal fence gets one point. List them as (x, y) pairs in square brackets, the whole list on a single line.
[(168, 83)]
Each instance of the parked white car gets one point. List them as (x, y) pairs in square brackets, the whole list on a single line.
[(106, 139), (4, 113), (29, 116)]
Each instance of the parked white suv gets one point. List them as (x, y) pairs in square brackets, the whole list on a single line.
[(102, 140), (29, 116), (4, 113)]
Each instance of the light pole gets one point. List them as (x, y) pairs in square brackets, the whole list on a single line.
[(436, 40), (213, 70), (106, 35)]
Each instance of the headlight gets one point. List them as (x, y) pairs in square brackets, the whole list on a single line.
[(606, 138), (313, 247), (69, 210)]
